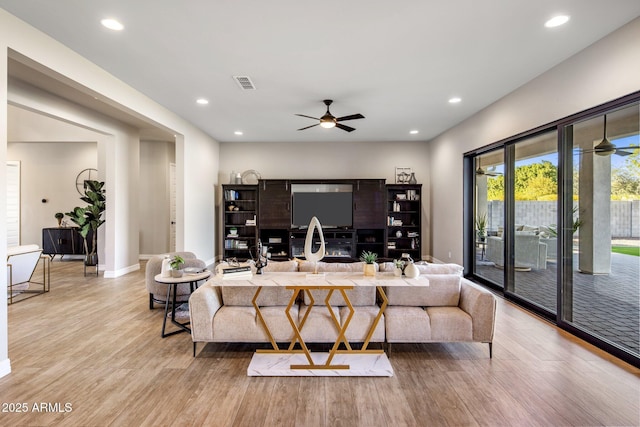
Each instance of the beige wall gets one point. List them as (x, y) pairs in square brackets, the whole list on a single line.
[(118, 156), (606, 70), (331, 160)]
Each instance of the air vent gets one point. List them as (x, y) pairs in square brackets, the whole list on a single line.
[(244, 82)]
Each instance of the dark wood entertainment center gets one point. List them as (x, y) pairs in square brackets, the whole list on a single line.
[(384, 218)]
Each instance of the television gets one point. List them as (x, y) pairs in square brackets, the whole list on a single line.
[(333, 209)]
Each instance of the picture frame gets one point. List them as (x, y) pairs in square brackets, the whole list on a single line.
[(402, 175)]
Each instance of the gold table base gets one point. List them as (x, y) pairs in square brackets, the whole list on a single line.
[(297, 328)]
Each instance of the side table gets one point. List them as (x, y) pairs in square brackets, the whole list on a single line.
[(172, 287)]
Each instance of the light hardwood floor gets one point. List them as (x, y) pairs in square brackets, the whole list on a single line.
[(93, 343)]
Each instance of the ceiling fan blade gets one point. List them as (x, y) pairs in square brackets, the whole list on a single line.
[(623, 153), (309, 117), (309, 126), (351, 117), (343, 127)]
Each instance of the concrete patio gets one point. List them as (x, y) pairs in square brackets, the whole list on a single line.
[(607, 306)]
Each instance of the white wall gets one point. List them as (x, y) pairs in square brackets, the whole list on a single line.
[(331, 160), (48, 171), (608, 69), (51, 153), (118, 156)]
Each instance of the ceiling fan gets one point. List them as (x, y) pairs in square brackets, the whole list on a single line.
[(606, 148), (490, 172), (329, 120)]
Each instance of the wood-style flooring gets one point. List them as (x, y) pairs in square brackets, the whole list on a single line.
[(89, 353)]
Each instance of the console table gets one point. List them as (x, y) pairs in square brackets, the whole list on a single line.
[(64, 241), (336, 363)]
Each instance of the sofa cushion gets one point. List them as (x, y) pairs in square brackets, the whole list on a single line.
[(361, 323), (450, 324), (407, 324), (320, 327), (241, 324), (347, 267), (286, 266), (430, 268), (443, 290), (359, 296), (243, 295)]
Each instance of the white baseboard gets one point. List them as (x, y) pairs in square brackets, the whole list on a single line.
[(5, 367), (121, 272)]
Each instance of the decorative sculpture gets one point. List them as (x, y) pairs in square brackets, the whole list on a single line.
[(261, 259), (308, 244)]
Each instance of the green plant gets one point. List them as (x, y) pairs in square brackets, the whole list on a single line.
[(176, 262), (398, 263), (481, 224), (90, 218), (577, 222), (368, 257)]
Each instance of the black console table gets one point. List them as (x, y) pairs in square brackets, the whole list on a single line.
[(64, 241)]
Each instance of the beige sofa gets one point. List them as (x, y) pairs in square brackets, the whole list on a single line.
[(450, 309)]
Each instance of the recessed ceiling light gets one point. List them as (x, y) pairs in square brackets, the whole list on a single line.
[(202, 101), (556, 21), (454, 100), (112, 24), (413, 132), (238, 132)]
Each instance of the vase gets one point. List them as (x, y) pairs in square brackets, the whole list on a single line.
[(397, 271), (176, 273), (411, 271), (370, 270), (412, 178)]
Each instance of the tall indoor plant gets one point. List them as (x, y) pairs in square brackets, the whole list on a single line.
[(90, 217)]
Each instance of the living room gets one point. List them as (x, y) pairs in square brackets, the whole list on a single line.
[(203, 164)]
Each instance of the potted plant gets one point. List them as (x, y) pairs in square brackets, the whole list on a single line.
[(577, 222), (90, 218), (481, 226), (59, 216), (369, 258), (399, 266), (176, 264)]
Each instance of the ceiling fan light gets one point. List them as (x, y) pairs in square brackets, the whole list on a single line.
[(604, 148), (328, 121)]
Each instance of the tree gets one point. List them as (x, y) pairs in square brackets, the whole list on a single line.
[(536, 181), (495, 188), (625, 180)]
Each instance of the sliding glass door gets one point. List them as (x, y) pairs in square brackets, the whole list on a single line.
[(489, 216), (554, 221), (533, 230), (602, 291)]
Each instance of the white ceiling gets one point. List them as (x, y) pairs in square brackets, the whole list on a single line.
[(396, 63)]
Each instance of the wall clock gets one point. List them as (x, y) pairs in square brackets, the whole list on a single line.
[(85, 175)]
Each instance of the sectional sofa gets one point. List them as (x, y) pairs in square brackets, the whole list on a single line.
[(450, 309)]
